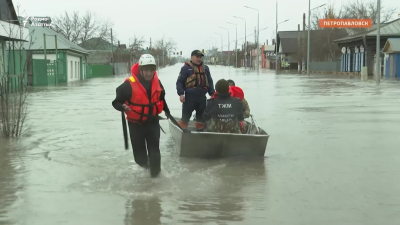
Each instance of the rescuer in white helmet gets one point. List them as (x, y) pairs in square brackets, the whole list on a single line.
[(142, 98)]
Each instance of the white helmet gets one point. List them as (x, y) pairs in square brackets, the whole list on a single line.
[(147, 59)]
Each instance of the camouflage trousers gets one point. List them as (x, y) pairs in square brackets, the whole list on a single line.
[(214, 125)]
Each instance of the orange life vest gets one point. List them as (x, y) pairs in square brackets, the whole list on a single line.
[(141, 108)]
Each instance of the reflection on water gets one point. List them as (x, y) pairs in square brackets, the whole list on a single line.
[(227, 202), (143, 211), (8, 184)]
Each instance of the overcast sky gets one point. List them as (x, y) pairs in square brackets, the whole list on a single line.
[(188, 23)]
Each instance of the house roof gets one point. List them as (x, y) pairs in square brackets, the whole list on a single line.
[(97, 43), (391, 29), (392, 45), (288, 41), (37, 41), (12, 12)]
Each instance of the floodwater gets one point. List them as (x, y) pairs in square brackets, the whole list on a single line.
[(333, 158)]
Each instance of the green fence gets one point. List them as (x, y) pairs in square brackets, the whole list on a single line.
[(44, 72), (15, 64), (93, 71), (13, 81), (39, 67)]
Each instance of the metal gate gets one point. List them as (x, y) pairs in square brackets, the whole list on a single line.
[(39, 72)]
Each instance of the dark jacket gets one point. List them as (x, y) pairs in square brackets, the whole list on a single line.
[(124, 93), (187, 71), (223, 114)]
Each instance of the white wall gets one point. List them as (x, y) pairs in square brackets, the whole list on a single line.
[(83, 71), (41, 56), (73, 68), (385, 72)]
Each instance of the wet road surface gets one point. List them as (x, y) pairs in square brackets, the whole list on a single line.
[(332, 158)]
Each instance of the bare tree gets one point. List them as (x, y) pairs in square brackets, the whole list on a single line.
[(79, 29), (136, 42), (13, 84), (165, 45), (162, 49), (355, 9)]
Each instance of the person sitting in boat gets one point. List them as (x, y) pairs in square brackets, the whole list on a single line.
[(223, 112), (238, 92)]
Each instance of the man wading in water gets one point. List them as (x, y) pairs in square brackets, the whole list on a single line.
[(141, 97)]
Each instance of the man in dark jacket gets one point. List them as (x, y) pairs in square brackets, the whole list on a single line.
[(223, 112), (142, 97), (192, 85)]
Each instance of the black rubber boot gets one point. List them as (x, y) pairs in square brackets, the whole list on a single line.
[(155, 166)]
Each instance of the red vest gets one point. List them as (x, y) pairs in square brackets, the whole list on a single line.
[(139, 103)]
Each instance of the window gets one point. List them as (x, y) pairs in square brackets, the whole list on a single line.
[(72, 71)]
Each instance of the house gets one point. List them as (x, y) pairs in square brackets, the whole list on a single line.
[(102, 52), (359, 50), (268, 57), (391, 49), (41, 56), (292, 47), (11, 34)]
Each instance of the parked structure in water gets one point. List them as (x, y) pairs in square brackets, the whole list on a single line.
[(392, 57), (359, 50)]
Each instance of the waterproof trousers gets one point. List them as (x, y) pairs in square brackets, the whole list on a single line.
[(193, 103), (145, 139)]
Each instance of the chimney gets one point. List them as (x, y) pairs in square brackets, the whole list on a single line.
[(304, 21), (267, 41)]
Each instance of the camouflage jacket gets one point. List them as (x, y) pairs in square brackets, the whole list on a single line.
[(246, 108)]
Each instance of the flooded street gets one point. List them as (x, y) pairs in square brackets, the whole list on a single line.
[(332, 158)]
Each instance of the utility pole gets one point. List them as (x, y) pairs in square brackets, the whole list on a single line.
[(258, 41), (308, 41), (255, 37), (276, 39), (44, 39), (118, 56), (245, 46), (56, 62), (236, 49), (378, 45), (130, 54), (112, 51)]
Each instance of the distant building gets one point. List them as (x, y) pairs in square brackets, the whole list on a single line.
[(391, 64), (359, 50), (10, 32), (71, 57)]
